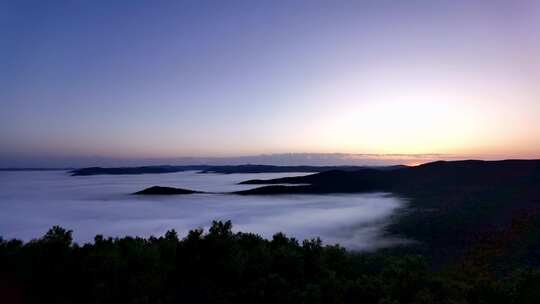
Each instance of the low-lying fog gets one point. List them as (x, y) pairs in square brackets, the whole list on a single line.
[(32, 202)]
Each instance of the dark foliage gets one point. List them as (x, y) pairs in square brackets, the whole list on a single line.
[(225, 267)]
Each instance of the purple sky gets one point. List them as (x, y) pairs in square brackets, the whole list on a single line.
[(166, 79)]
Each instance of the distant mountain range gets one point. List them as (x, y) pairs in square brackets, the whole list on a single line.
[(248, 168)]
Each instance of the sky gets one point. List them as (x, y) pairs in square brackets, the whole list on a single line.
[(117, 80)]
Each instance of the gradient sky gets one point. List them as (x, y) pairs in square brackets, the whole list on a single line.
[(162, 79)]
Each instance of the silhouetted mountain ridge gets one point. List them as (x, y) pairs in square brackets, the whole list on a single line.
[(426, 177), (248, 168)]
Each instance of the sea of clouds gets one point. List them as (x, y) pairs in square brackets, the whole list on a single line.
[(32, 202)]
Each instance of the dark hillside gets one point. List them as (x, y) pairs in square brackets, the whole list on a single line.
[(455, 207)]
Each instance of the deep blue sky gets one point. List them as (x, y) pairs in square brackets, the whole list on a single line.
[(135, 79)]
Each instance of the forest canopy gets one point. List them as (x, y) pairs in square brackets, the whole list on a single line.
[(220, 266)]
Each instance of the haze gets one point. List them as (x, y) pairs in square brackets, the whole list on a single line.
[(165, 79)]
